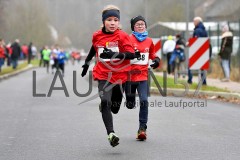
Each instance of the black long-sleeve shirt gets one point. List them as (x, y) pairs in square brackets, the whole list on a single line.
[(90, 55)]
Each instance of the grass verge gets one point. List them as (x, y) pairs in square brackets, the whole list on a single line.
[(171, 84), (9, 69)]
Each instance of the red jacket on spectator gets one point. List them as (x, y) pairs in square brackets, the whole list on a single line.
[(2, 55), (25, 49), (9, 50)]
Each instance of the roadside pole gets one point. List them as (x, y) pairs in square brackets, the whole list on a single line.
[(187, 33)]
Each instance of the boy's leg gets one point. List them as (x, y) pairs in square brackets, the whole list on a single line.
[(106, 111), (143, 96), (105, 97), (130, 91), (117, 95), (143, 112)]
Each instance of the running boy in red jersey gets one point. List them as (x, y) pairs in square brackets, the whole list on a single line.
[(139, 72), (111, 74)]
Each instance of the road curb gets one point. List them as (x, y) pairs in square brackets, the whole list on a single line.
[(210, 94), (226, 95), (9, 75)]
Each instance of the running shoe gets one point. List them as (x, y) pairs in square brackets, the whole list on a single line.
[(141, 135), (113, 139)]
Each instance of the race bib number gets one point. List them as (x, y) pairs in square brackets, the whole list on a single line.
[(143, 60), (114, 49)]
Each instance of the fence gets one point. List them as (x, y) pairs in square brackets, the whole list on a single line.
[(163, 29)]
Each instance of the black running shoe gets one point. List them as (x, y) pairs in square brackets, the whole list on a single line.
[(113, 139)]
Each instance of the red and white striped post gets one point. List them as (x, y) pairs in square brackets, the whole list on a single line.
[(198, 54), (158, 46)]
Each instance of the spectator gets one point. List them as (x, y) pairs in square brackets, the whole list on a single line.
[(2, 54), (29, 52), (199, 31), (225, 52), (16, 51), (177, 53), (9, 53), (34, 52), (24, 53), (41, 56), (168, 48)]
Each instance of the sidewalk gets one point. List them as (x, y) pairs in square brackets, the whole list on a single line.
[(232, 87)]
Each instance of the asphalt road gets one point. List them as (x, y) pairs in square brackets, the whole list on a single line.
[(58, 128)]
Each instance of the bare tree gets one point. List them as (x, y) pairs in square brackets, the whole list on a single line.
[(78, 19), (28, 21), (1, 17)]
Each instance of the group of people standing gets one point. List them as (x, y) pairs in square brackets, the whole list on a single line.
[(14, 52), (28, 52), (174, 48), (122, 65), (9, 52)]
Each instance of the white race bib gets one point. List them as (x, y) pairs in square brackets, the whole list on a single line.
[(114, 49), (143, 60)]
